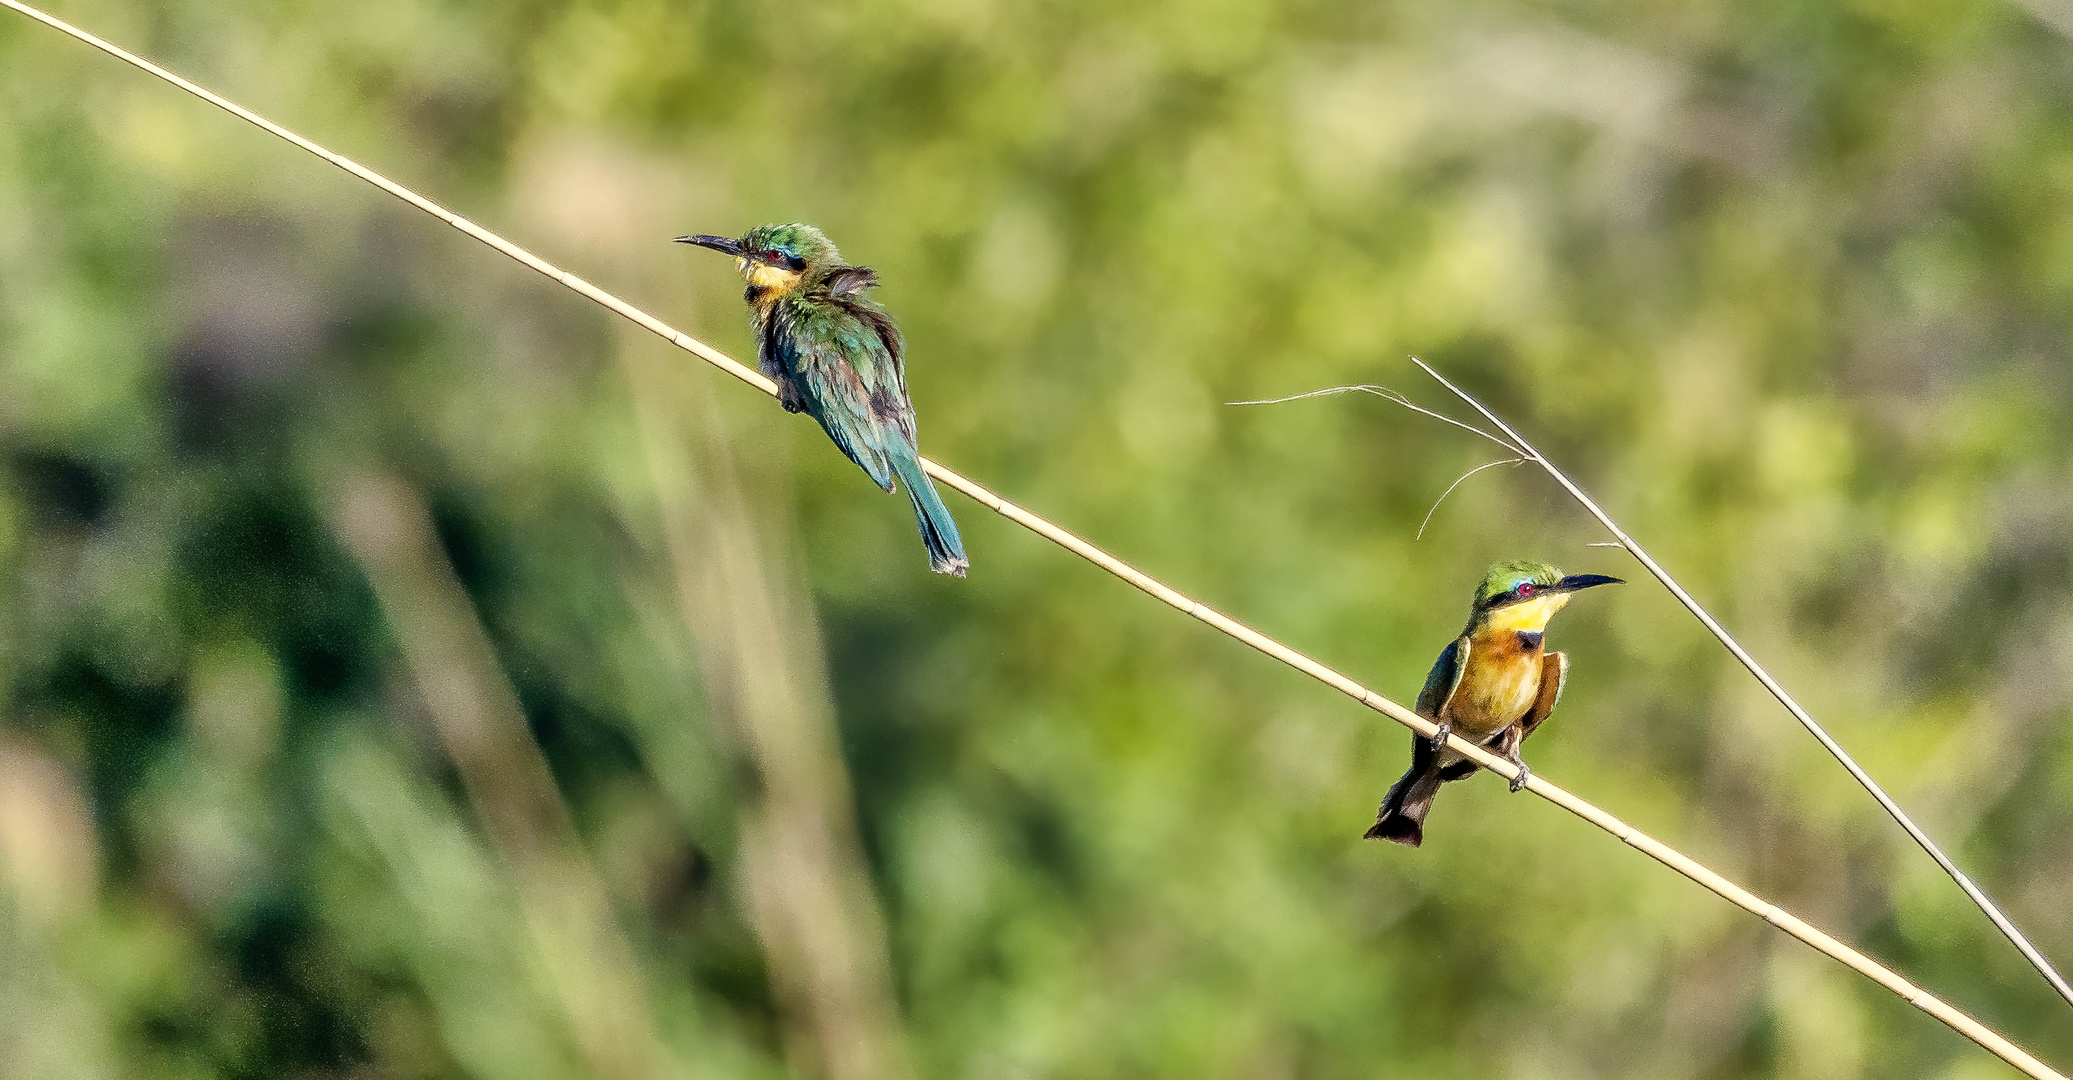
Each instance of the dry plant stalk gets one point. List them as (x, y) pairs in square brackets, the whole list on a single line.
[(1957, 1020), (475, 713), (1518, 445), (809, 894)]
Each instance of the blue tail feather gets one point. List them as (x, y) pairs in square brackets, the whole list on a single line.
[(938, 531)]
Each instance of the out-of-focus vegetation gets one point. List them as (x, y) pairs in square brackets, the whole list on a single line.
[(409, 671)]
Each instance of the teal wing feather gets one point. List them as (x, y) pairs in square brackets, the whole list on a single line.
[(1443, 679), (882, 358), (845, 358), (1440, 684), (843, 363)]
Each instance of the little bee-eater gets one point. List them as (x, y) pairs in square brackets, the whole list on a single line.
[(836, 356), (1495, 684)]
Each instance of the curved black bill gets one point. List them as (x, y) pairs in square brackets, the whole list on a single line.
[(1585, 581), (717, 243)]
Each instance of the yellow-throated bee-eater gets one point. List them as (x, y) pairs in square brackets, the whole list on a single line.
[(1494, 685), (836, 356)]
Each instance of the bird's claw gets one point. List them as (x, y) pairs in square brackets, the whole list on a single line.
[(1439, 738), (1519, 778)]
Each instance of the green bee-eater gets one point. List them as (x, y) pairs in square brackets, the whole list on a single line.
[(836, 356), (1494, 685)]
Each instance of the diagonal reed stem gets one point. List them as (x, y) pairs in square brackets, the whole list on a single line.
[(1992, 910), (475, 714), (1655, 849)]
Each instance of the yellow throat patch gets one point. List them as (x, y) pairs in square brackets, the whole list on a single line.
[(1528, 615), (774, 280)]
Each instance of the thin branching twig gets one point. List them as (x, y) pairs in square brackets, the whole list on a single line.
[(1979, 897), (1457, 483), (1956, 1019), (1518, 456), (1385, 392)]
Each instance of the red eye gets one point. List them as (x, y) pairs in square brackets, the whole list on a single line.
[(776, 256), (1527, 589)]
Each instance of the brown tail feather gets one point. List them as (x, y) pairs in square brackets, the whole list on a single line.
[(1402, 816)]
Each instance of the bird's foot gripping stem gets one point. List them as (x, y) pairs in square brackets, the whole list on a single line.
[(1439, 738), (1519, 779)]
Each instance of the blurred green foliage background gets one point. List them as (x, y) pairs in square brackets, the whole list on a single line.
[(408, 670)]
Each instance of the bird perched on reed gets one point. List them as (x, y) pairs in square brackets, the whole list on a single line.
[(836, 356), (1494, 684)]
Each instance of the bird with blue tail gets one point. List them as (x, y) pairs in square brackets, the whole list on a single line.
[(836, 355), (1495, 685)]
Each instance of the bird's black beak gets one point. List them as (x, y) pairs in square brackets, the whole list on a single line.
[(718, 243), (1577, 582)]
